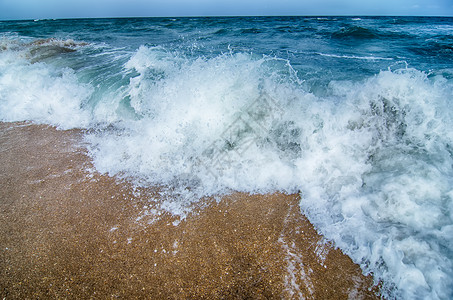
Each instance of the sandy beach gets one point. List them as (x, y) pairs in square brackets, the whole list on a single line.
[(67, 231)]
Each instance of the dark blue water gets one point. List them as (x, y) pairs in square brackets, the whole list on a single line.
[(355, 113)]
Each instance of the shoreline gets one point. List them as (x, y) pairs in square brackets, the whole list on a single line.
[(69, 232)]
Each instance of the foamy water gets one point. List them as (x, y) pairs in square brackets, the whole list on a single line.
[(346, 112)]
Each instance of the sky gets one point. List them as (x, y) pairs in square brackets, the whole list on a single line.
[(55, 9)]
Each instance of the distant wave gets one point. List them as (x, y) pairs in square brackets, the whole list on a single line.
[(355, 32), (349, 32), (355, 57)]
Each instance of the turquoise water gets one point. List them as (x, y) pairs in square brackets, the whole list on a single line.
[(353, 113)]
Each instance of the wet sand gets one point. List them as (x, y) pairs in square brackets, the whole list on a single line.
[(69, 232)]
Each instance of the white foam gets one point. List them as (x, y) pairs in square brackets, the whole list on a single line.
[(399, 191), (355, 57), (371, 159), (41, 93)]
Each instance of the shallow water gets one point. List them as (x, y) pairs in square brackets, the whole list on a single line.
[(69, 232), (355, 114)]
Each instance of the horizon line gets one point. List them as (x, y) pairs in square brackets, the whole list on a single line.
[(230, 16)]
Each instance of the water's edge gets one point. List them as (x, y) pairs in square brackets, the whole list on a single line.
[(68, 231)]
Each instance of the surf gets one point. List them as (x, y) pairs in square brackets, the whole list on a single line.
[(367, 148)]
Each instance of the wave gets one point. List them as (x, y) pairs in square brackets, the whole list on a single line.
[(221, 32), (355, 32), (251, 31), (355, 57), (36, 91), (371, 159), (377, 158), (42, 49), (434, 48), (47, 48)]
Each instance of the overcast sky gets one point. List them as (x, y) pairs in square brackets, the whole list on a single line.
[(41, 9)]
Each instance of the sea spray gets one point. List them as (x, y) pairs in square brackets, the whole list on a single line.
[(374, 154)]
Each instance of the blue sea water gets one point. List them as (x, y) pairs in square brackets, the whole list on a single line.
[(353, 113)]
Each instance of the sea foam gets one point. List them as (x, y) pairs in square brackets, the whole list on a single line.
[(372, 159), (375, 154), (40, 92)]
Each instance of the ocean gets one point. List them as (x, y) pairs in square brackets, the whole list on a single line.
[(353, 113)]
